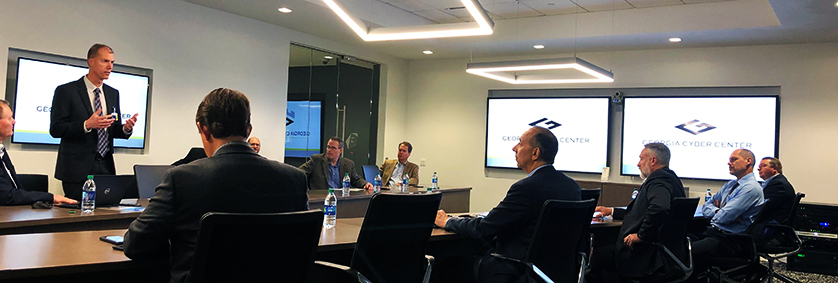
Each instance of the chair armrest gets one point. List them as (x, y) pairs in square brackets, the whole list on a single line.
[(331, 272)]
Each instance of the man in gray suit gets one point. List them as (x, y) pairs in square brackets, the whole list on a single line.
[(326, 170), (233, 178)]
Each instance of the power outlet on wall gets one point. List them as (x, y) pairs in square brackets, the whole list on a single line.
[(422, 162)]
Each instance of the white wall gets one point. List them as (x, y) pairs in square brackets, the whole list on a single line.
[(192, 50), (452, 107)]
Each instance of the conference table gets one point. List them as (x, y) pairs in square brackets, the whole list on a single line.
[(81, 256), (22, 219)]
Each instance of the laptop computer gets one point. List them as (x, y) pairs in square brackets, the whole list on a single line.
[(148, 177), (109, 190)]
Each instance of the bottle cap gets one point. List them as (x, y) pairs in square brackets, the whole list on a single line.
[(331, 190), (90, 177)]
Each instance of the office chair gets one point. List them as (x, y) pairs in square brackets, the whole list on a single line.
[(727, 269), (672, 244), (780, 241), (591, 194), (557, 251), (256, 247), (394, 235), (33, 182), (370, 171)]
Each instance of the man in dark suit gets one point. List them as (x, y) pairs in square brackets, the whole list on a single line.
[(777, 189), (642, 220), (85, 115), (326, 170), (511, 223), (10, 191), (232, 179)]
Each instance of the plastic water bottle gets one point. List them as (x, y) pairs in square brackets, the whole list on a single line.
[(346, 184), (88, 195), (376, 187), (634, 194), (405, 182), (708, 196), (330, 209), (434, 182)]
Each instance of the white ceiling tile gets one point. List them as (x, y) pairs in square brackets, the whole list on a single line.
[(442, 4), (603, 5), (554, 7), (653, 3), (413, 6), (439, 16), (703, 1), (512, 10)]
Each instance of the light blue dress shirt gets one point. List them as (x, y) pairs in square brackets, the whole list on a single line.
[(397, 176), (335, 180), (739, 206)]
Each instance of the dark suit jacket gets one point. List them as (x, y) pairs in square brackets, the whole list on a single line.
[(77, 151), (782, 196), (11, 195), (645, 215), (317, 170), (511, 223), (410, 168), (234, 179)]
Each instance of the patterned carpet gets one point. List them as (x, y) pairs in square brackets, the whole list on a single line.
[(803, 277)]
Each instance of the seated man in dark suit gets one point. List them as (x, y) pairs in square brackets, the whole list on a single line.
[(326, 170), (10, 191), (232, 179), (511, 223), (777, 189), (642, 220)]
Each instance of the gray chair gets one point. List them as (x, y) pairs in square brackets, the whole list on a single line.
[(779, 241)]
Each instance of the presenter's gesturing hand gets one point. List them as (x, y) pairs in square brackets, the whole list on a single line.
[(98, 122), (129, 124)]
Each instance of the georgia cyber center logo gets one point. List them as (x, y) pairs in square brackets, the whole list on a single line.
[(695, 127), (289, 117), (551, 124)]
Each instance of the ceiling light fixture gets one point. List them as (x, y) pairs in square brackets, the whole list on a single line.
[(482, 25), (284, 10), (538, 46), (508, 71), (675, 39), (428, 52), (328, 57)]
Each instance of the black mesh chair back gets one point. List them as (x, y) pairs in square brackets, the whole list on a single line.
[(793, 214), (393, 238), (591, 194), (256, 247), (33, 182), (673, 243), (559, 237)]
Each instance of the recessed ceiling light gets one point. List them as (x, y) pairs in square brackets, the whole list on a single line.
[(675, 39), (538, 46), (328, 57), (428, 52), (284, 10)]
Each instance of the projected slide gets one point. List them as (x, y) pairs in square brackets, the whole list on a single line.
[(580, 124), (302, 128), (36, 83), (701, 132)]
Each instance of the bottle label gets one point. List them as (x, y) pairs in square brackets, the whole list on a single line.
[(330, 210)]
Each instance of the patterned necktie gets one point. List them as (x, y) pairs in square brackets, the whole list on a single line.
[(724, 201), (103, 134)]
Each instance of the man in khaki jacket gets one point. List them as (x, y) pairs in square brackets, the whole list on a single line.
[(392, 171)]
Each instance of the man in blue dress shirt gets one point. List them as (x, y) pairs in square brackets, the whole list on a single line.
[(731, 210)]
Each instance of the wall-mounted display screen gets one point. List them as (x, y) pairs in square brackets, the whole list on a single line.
[(35, 87), (580, 125), (701, 132), (303, 128)]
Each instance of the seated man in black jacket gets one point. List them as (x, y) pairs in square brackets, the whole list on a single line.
[(10, 191), (641, 221), (777, 189), (511, 223)]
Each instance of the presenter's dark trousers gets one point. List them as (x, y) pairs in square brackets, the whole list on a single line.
[(73, 189)]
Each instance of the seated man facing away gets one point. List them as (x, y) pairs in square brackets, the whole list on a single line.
[(392, 171), (731, 210), (233, 178), (326, 170), (10, 191), (777, 189), (511, 223), (642, 220)]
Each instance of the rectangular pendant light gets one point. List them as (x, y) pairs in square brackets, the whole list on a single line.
[(514, 72)]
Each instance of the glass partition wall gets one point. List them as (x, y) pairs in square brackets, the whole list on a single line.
[(331, 94)]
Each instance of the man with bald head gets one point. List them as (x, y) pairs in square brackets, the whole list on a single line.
[(731, 210), (511, 223), (255, 144)]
